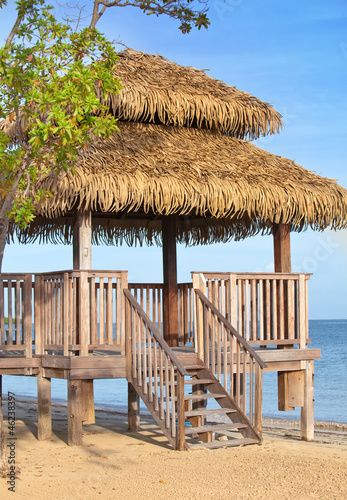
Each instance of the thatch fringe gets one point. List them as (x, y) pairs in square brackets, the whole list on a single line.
[(158, 91), (220, 187)]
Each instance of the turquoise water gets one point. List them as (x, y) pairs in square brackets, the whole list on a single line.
[(330, 380)]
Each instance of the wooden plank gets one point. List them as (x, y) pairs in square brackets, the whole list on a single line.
[(83, 310), (296, 388), (100, 373), (9, 313), (2, 313), (66, 324), (109, 312), (258, 399), (180, 438), (101, 312), (283, 392), (27, 321), (88, 416), (274, 355), (254, 310), (44, 408), (74, 412), (302, 312), (17, 297)]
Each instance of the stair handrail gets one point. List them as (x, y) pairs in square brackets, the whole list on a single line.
[(156, 333), (229, 326)]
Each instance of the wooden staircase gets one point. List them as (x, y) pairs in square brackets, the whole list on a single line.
[(206, 424), (186, 400)]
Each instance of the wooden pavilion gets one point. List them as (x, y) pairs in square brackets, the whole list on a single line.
[(179, 170)]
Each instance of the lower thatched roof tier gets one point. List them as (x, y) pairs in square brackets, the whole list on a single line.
[(219, 187)]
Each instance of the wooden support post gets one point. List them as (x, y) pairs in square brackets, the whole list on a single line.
[(133, 408), (82, 260), (82, 240), (88, 402), (74, 408), (282, 264), (44, 408), (281, 236), (307, 411), (170, 289)]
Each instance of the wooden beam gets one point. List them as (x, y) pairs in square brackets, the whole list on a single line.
[(44, 408), (133, 408), (170, 289), (74, 408)]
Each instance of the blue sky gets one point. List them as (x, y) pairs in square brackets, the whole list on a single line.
[(292, 54)]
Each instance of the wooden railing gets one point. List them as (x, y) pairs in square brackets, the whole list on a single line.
[(265, 308), (79, 311), (150, 298), (155, 371), (230, 358), (16, 332)]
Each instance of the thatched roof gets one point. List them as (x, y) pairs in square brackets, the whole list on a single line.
[(158, 91), (219, 187)]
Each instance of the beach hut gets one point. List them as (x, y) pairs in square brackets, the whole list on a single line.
[(181, 169)]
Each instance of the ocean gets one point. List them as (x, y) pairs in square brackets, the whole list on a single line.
[(330, 380)]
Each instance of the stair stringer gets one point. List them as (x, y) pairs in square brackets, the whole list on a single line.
[(227, 402)]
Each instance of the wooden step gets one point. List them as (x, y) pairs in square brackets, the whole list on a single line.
[(224, 444), (201, 397), (193, 367), (201, 412), (189, 429), (201, 381)]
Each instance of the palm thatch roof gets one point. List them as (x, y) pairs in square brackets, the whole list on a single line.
[(158, 91), (219, 187)]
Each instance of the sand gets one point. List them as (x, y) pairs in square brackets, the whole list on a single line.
[(115, 464)]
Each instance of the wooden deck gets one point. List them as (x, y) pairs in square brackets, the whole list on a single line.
[(86, 325)]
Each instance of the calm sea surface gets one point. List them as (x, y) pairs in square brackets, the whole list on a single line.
[(330, 380)]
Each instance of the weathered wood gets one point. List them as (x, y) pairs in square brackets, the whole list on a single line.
[(307, 411), (199, 283), (88, 402), (44, 408), (170, 290), (283, 392), (281, 237), (133, 408), (180, 438), (74, 396), (27, 320), (82, 240)]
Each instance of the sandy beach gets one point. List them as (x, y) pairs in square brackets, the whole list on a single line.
[(115, 464)]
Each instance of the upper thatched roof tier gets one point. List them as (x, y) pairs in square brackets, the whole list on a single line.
[(159, 91), (220, 187)]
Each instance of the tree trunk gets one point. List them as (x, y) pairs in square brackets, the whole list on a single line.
[(3, 236)]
